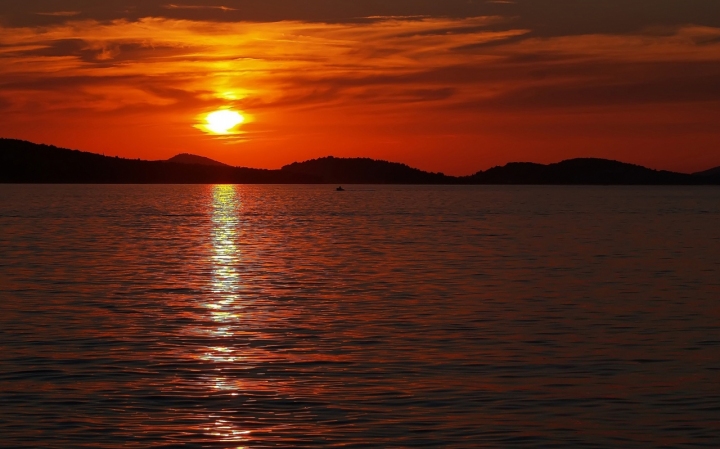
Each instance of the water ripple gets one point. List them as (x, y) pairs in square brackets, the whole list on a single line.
[(292, 316)]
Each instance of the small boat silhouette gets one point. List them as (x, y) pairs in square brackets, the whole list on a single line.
[(340, 189)]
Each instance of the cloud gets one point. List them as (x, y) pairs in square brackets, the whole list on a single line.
[(221, 8), (59, 13), (238, 59), (658, 84), (544, 17), (396, 17), (388, 65)]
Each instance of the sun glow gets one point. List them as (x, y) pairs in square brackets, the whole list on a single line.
[(223, 121)]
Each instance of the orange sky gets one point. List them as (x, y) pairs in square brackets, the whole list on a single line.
[(439, 92)]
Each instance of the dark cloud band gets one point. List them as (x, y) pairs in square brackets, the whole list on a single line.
[(543, 17)]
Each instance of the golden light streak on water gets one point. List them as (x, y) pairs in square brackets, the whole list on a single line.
[(225, 286)]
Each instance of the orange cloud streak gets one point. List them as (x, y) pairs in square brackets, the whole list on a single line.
[(454, 95)]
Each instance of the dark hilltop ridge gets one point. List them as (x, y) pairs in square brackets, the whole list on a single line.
[(582, 171), (26, 162), (186, 158), (335, 170), (712, 172)]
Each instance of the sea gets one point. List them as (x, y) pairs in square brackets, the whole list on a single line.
[(245, 316)]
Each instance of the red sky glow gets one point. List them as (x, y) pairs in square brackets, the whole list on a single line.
[(454, 90)]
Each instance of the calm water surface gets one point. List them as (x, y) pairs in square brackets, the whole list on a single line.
[(269, 316)]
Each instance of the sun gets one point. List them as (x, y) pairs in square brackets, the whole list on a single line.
[(223, 121)]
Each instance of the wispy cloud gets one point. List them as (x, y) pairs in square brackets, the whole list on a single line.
[(396, 17), (59, 13), (251, 63), (264, 65), (221, 8)]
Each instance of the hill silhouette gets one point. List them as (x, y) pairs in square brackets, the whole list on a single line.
[(587, 171), (25, 162), (194, 159), (365, 171), (712, 172)]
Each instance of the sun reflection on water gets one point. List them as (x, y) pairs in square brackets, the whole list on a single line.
[(225, 305), (225, 219)]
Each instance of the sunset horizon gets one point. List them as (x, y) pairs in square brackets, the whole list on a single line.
[(6, 145), (442, 87), (331, 156), (325, 224)]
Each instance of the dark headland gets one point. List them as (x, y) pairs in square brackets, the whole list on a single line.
[(26, 162)]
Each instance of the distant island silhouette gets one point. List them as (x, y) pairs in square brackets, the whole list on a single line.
[(186, 158), (26, 162)]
